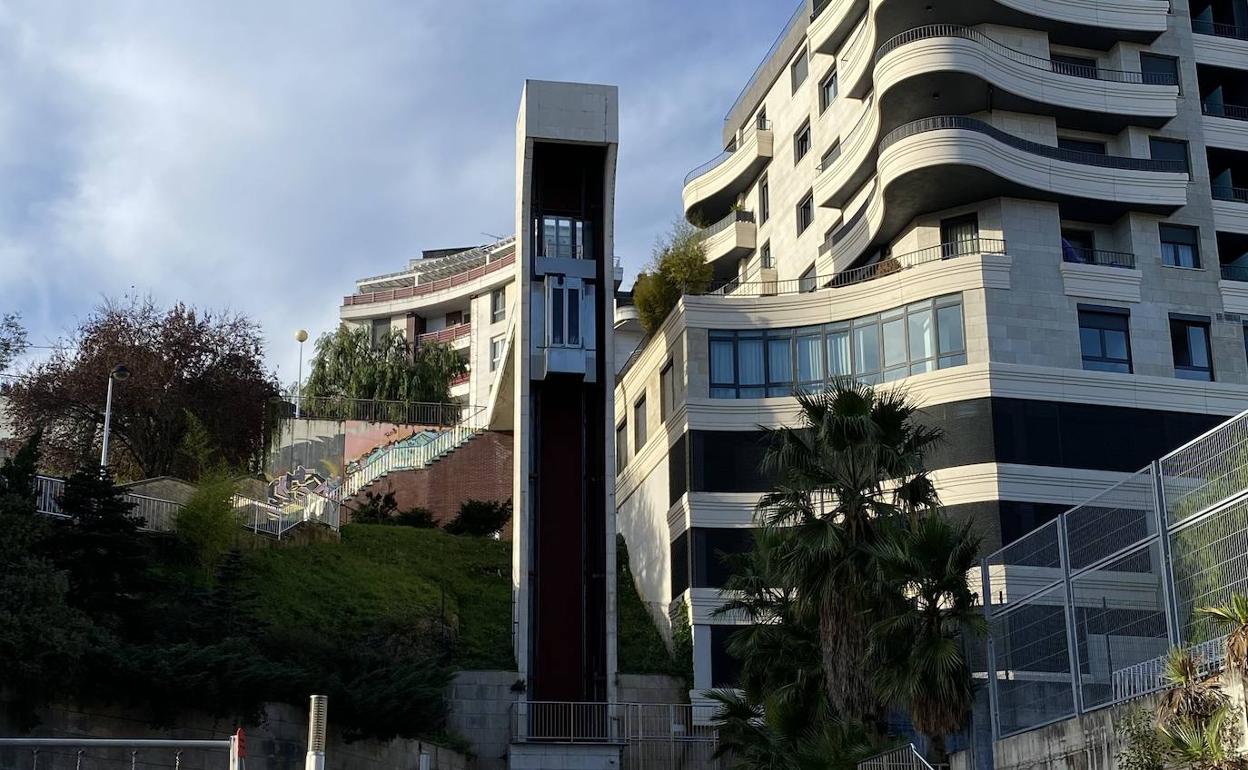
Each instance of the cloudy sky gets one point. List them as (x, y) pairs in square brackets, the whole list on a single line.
[(260, 156)]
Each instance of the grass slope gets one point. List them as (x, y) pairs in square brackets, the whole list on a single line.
[(384, 576)]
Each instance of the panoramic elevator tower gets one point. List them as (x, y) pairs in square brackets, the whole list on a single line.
[(567, 137)]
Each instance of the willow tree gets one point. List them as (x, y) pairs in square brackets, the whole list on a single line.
[(349, 363)]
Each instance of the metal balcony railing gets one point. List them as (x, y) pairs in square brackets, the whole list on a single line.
[(1030, 60), (1228, 193), (1232, 111), (943, 122), (723, 224), (1080, 256), (750, 131), (857, 275), (1235, 272), (1201, 27), (449, 334), (367, 410), (421, 289)]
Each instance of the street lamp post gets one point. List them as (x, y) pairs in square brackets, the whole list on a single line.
[(301, 336), (119, 373)]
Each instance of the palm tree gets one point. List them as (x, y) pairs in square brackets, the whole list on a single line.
[(1190, 694), (851, 470), (928, 618), (1233, 617), (770, 735), (1202, 744)]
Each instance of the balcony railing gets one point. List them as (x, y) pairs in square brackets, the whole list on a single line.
[(1232, 111), (723, 224), (1201, 27), (753, 128), (1235, 272), (1227, 193), (942, 122), (449, 334), (857, 275), (460, 379), (1029, 60), (1080, 256), (368, 410), (421, 289)]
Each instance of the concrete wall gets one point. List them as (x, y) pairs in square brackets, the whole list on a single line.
[(651, 688), (480, 710), (478, 470), (278, 743)]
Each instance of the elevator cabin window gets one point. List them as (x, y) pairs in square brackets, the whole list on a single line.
[(566, 237), (563, 322)]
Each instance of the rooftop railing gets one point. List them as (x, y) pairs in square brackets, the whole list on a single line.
[(1081, 256), (943, 122), (1228, 193), (421, 289), (798, 16), (1219, 110), (367, 410), (750, 131), (1202, 27), (1030, 60)]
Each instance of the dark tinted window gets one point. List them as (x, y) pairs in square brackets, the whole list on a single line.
[(680, 564), (1169, 149), (725, 669), (1192, 357), (798, 70), (1180, 245), (1162, 70), (678, 469), (1105, 341), (713, 549), (727, 461), (1089, 146)]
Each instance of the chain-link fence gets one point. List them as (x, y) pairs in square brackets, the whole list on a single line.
[(1083, 610)]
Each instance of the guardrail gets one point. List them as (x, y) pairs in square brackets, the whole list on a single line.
[(157, 515), (77, 753), (733, 217), (367, 410), (276, 520), (1227, 193), (1080, 256), (421, 289), (1202, 27), (750, 132), (449, 334), (1235, 272), (857, 275), (1232, 111), (945, 122), (930, 31), (398, 457), (902, 758), (1149, 676)]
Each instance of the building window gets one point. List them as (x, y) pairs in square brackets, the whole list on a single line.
[(912, 339), (621, 446), (379, 330), (1078, 246), (1180, 246), (805, 213), (959, 236), (827, 91), (1189, 337), (801, 142), (639, 424), (806, 281), (1159, 70), (798, 70), (565, 237), (667, 392), (498, 305), (564, 314), (1085, 146), (764, 256), (496, 351), (830, 156), (1105, 340), (1169, 149), (764, 200)]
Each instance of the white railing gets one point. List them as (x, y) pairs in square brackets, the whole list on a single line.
[(76, 753), (158, 515), (1149, 676), (902, 758), (650, 736), (401, 457)]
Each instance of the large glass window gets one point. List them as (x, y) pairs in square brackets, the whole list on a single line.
[(827, 90), (764, 200), (1180, 245), (959, 236), (639, 424), (496, 351), (805, 213), (1190, 339), (801, 142), (916, 338), (564, 319), (1105, 340), (621, 446), (667, 392), (1169, 149), (1159, 69), (498, 305), (798, 70), (565, 237)]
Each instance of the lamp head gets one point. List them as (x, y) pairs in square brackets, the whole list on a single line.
[(301, 335), (120, 372)]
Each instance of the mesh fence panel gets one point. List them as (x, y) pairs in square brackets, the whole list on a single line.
[(1207, 471), (1032, 659), (1027, 566), (1121, 516), (1210, 562), (1120, 620)]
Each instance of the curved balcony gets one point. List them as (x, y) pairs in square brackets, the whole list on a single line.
[(711, 189), (1096, 24), (732, 237), (952, 160), (1230, 209), (971, 72)]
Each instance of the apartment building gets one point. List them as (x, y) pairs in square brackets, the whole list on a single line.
[(1030, 215)]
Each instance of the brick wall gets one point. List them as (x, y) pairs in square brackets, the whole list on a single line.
[(480, 469)]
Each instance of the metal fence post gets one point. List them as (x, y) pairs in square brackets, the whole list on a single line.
[(1072, 642), (994, 710), (317, 716), (1169, 596)]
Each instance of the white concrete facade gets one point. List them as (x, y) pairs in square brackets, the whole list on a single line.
[(1035, 135)]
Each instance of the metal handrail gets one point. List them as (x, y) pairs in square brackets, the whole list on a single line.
[(421, 289), (1081, 256), (930, 31), (398, 457), (368, 410), (1235, 272), (734, 216), (798, 13), (942, 122), (1201, 27), (901, 758), (1229, 193), (1231, 111), (157, 514), (751, 131), (449, 334), (864, 273)]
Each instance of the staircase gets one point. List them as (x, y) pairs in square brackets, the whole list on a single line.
[(408, 457)]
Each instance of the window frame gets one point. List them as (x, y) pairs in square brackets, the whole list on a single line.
[(764, 200), (1162, 227), (806, 203), (803, 59), (1105, 315), (1188, 322), (621, 446), (667, 391), (496, 357), (1154, 141), (498, 305), (765, 258), (640, 428), (1150, 56), (826, 101), (801, 142)]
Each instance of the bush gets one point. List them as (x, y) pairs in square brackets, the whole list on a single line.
[(207, 524), (421, 518), (377, 508), (480, 518), (678, 267)]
